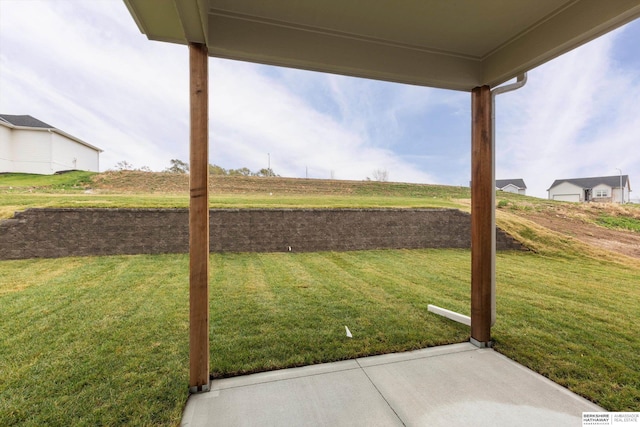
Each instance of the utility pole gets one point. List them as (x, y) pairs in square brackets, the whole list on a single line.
[(621, 189), (268, 161)]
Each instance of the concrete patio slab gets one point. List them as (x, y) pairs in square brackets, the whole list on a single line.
[(455, 385)]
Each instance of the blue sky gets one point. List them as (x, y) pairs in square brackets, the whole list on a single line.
[(84, 67)]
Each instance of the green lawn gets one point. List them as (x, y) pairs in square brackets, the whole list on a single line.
[(104, 340)]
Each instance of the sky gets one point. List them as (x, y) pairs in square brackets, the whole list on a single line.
[(85, 68)]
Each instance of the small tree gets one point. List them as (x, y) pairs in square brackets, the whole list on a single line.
[(177, 166), (217, 170), (381, 175), (266, 172), (123, 165), (241, 172)]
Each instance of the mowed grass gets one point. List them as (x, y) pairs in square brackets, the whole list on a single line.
[(93, 341), (574, 321), (280, 310), (104, 340)]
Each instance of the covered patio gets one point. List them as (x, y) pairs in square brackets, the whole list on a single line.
[(461, 45)]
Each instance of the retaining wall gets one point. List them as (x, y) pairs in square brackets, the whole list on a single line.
[(52, 233)]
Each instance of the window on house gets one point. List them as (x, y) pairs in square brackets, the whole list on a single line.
[(602, 193)]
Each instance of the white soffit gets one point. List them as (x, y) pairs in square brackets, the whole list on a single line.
[(452, 44)]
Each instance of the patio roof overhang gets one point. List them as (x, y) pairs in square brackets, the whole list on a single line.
[(457, 45)]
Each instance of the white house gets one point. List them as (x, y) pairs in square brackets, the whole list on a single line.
[(516, 186), (608, 189), (29, 145)]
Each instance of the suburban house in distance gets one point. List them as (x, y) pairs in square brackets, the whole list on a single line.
[(516, 186), (606, 189), (28, 145)]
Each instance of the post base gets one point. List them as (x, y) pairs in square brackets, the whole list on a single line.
[(200, 388), (481, 344)]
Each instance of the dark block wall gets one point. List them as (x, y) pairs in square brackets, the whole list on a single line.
[(52, 233)]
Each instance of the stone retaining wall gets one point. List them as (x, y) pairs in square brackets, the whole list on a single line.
[(52, 233)]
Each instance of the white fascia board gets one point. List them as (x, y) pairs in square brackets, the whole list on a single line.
[(159, 19), (173, 21), (577, 24), (566, 183), (510, 186)]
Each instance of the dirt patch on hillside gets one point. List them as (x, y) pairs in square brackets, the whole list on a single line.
[(140, 182), (580, 222), (160, 182), (624, 242)]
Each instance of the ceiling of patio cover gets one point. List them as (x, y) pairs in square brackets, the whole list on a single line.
[(451, 44)]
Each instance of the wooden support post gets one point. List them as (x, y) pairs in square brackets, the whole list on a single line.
[(482, 206), (199, 220)]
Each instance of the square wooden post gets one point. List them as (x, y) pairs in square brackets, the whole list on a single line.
[(199, 219), (482, 215)]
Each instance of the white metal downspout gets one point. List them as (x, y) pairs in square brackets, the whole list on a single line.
[(521, 81), (461, 318)]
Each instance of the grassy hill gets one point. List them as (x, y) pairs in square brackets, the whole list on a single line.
[(128, 189), (137, 182)]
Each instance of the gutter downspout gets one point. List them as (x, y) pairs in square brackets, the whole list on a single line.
[(520, 82)]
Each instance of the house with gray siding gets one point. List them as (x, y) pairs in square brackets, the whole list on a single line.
[(516, 186), (604, 189)]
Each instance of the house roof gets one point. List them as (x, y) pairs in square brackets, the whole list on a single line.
[(24, 121), (586, 183), (519, 182), (29, 122), (457, 44)]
